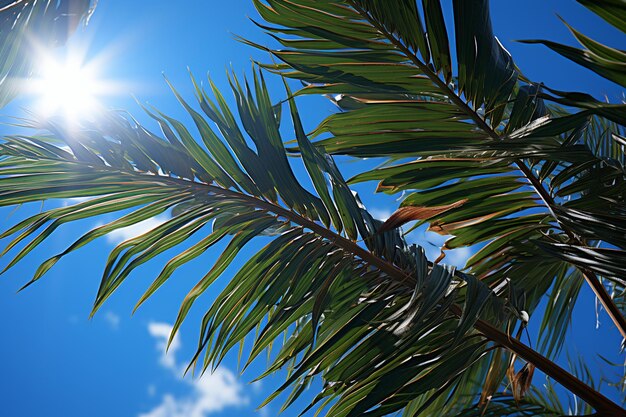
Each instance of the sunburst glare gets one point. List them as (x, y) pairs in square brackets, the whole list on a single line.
[(69, 86)]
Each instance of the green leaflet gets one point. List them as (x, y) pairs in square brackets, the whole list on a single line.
[(128, 220), (438, 38), (613, 11), (607, 68), (255, 227)]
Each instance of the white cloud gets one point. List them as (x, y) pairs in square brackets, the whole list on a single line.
[(161, 332), (112, 319), (210, 393), (380, 213), (125, 233)]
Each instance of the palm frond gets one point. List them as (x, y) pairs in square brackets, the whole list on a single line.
[(527, 173), (345, 307)]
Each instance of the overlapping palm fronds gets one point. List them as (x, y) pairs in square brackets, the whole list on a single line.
[(516, 174), (28, 25), (380, 324), (479, 153), (344, 307)]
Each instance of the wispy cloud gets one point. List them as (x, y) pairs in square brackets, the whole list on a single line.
[(209, 394), (125, 233), (112, 319)]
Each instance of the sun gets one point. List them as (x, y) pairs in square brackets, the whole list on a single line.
[(71, 83), (66, 87)]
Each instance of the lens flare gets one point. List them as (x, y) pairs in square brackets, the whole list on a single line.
[(67, 88)]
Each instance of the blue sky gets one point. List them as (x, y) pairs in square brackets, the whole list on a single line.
[(56, 362)]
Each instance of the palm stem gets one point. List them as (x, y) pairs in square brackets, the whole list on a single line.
[(596, 286)]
